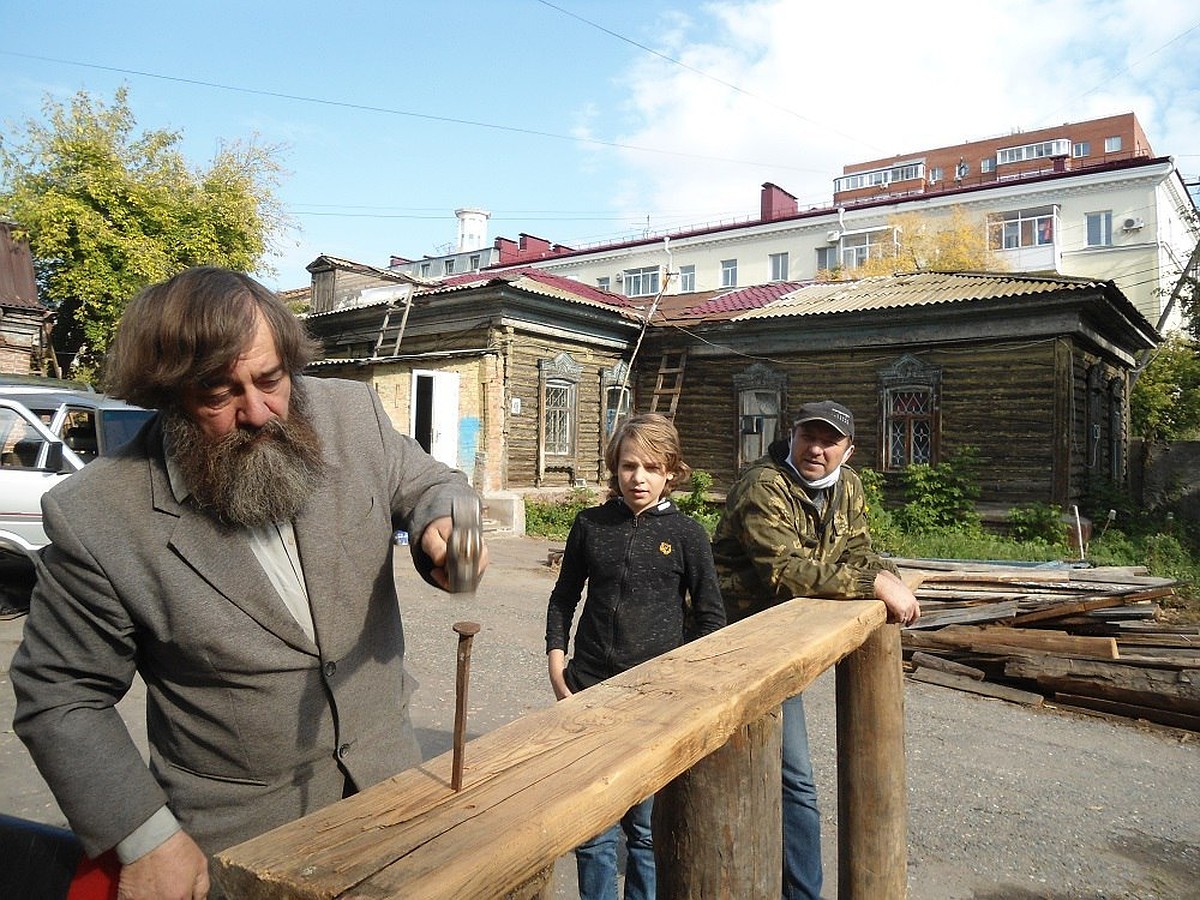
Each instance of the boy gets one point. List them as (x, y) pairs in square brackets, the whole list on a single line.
[(652, 585)]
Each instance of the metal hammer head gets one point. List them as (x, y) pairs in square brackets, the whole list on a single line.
[(465, 546)]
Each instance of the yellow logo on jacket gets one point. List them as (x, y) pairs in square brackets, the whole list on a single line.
[(664, 548)]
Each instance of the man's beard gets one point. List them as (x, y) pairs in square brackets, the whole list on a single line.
[(249, 477)]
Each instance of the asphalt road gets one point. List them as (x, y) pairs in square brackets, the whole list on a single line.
[(1005, 802)]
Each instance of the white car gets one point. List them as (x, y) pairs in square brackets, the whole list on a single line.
[(47, 432)]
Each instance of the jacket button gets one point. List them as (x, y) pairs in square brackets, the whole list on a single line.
[(330, 668), (342, 751)]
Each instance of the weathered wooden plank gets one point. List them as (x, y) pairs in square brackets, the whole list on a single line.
[(539, 786), (996, 639), (949, 666), (1128, 711), (991, 612), (1068, 609), (983, 688), (1137, 684)]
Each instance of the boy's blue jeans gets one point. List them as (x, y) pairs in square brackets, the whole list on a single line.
[(596, 860), (802, 876)]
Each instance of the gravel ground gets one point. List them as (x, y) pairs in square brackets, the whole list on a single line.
[(1005, 802)]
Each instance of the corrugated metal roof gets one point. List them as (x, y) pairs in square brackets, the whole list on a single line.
[(918, 289), (744, 298)]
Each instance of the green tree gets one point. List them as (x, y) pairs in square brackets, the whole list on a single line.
[(108, 210), (1165, 401)]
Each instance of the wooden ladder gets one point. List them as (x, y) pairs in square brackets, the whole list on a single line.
[(669, 383)]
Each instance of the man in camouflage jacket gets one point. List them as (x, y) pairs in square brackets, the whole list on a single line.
[(795, 526)]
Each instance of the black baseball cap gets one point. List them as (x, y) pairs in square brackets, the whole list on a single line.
[(829, 412)]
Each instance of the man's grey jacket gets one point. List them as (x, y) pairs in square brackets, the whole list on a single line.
[(251, 724)]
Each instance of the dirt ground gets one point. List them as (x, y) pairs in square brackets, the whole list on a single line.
[(1005, 802)]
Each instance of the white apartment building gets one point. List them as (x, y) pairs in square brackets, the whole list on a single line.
[(1086, 199)]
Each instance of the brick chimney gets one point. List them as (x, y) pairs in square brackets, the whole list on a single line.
[(777, 203)]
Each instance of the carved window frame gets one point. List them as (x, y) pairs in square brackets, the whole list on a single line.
[(908, 374)]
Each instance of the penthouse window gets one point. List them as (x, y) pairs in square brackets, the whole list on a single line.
[(880, 177), (1040, 150)]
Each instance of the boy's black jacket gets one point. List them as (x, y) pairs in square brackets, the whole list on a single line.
[(651, 585)]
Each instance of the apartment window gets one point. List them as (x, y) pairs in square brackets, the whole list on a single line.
[(728, 273), (1083, 148), (909, 398), (641, 282), (858, 248), (448, 267), (913, 171), (687, 279), (935, 174), (987, 165), (1021, 228), (1112, 144), (424, 270), (1099, 228), (475, 263), (760, 404), (603, 283), (779, 266), (827, 259)]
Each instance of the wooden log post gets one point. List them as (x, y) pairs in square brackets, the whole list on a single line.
[(717, 826), (872, 806)]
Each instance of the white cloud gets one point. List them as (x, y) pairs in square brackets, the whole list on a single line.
[(823, 85)]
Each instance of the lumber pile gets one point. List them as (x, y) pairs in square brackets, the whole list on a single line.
[(1082, 638)]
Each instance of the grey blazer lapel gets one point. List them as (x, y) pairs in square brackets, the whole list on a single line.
[(226, 562)]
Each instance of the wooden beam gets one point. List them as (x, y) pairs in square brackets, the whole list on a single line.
[(541, 785), (983, 688), (872, 810), (1001, 639)]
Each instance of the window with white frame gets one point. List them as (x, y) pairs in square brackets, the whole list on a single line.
[(827, 259), (474, 262), (641, 282), (909, 400), (935, 174), (1081, 149), (560, 404), (424, 270), (448, 267), (779, 266), (1112, 144), (987, 165), (1040, 150), (687, 279), (614, 383), (760, 404), (603, 282), (858, 248), (1021, 228), (728, 273), (558, 377), (880, 177), (1099, 228)]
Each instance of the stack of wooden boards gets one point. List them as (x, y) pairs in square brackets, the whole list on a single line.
[(1085, 638)]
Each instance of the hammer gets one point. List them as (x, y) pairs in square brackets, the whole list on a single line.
[(464, 546), (465, 631)]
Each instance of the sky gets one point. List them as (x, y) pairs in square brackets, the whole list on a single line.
[(583, 121)]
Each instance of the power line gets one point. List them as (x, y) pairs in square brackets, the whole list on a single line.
[(384, 110)]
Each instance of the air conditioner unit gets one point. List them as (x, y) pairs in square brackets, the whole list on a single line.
[(620, 276), (1133, 224), (834, 236)]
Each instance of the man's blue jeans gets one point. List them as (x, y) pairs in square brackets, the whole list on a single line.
[(802, 876), (596, 860)]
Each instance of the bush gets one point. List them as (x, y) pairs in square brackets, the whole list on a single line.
[(1038, 523), (697, 505), (552, 517), (941, 495)]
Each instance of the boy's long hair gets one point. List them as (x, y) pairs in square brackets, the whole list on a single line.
[(655, 437)]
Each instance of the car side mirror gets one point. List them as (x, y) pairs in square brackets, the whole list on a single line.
[(54, 456)]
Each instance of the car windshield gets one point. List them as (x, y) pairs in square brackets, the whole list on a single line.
[(120, 425)]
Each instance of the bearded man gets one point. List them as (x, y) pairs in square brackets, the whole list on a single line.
[(237, 555)]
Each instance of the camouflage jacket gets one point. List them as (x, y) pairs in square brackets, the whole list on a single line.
[(771, 543)]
